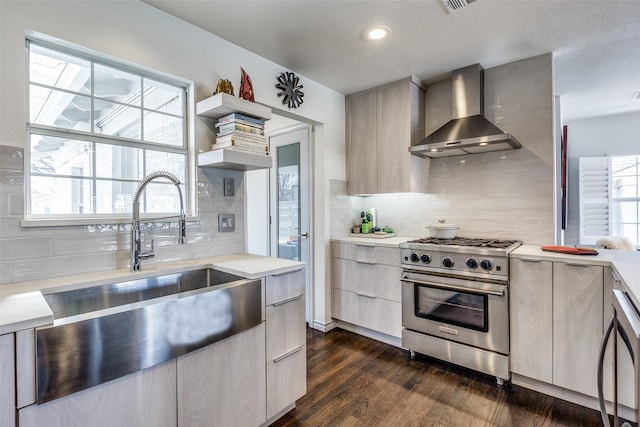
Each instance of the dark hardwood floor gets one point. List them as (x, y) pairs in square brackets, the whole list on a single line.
[(356, 381)]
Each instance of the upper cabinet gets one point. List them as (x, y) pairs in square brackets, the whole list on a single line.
[(220, 105), (381, 125)]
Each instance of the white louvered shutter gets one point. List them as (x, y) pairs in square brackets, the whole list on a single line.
[(595, 192)]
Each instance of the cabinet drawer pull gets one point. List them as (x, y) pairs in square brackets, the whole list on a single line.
[(363, 245), (529, 260), (287, 354), (288, 300), (366, 262), (285, 273), (576, 265), (615, 278), (360, 294)]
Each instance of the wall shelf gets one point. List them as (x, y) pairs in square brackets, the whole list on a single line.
[(232, 159), (222, 104)]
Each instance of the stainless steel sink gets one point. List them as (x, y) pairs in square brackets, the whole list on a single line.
[(104, 332)]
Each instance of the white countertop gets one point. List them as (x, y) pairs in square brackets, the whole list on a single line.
[(625, 263), (374, 241), (22, 305)]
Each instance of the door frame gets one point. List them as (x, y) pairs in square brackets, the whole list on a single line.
[(308, 189)]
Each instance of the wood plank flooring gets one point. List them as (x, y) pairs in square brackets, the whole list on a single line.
[(356, 381)]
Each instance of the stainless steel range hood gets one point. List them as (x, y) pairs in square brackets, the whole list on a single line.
[(469, 132)]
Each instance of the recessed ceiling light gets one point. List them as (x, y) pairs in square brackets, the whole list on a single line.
[(376, 32)]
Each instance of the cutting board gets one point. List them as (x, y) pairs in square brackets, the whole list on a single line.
[(373, 236), (569, 250)]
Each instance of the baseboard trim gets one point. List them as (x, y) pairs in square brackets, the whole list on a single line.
[(370, 333), (571, 396), (324, 327)]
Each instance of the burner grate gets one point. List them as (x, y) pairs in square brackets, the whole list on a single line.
[(470, 242)]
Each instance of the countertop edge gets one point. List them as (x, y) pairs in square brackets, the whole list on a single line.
[(388, 242)]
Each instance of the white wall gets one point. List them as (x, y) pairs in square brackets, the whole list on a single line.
[(614, 135), (136, 32)]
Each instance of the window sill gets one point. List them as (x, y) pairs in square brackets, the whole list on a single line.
[(70, 222)]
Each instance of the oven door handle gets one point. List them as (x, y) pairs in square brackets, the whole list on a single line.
[(498, 289)]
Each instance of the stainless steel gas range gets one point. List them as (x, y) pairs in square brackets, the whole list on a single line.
[(455, 301)]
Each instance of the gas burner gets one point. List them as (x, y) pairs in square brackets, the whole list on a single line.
[(469, 242)]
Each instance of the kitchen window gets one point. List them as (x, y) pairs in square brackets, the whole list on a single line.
[(610, 198), (95, 129)]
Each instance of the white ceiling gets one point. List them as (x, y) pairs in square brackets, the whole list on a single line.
[(596, 44)]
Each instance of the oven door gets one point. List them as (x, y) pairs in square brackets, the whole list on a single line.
[(471, 312)]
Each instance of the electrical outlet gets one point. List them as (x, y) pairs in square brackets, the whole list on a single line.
[(226, 222), (229, 186)]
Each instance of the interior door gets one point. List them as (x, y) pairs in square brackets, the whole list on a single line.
[(290, 201)]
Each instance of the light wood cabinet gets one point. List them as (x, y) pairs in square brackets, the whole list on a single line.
[(362, 144), (626, 386), (224, 384), (381, 124), (146, 398), (7, 381), (531, 305), (286, 349), (577, 326), (556, 311), (367, 292)]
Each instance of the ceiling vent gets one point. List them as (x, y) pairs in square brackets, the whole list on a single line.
[(456, 5)]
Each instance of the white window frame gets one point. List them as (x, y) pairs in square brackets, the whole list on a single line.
[(96, 58), (596, 199)]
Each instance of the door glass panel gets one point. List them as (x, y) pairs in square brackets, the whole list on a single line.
[(288, 199), (464, 309)]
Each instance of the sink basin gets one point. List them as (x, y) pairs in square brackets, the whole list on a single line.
[(101, 333), (66, 304)]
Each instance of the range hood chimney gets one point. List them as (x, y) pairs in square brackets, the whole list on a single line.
[(469, 132)]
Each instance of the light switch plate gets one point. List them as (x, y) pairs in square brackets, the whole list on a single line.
[(229, 186), (226, 222)]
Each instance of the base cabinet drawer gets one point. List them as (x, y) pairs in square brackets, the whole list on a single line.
[(286, 379), (380, 315), (285, 327), (371, 312)]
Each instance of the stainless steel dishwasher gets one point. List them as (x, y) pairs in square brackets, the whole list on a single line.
[(625, 323)]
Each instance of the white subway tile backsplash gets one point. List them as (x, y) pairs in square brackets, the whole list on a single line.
[(5, 273), (89, 243), (26, 248), (11, 157), (62, 266), (234, 245), (16, 204), (11, 181)]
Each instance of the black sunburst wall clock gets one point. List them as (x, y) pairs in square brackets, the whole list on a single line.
[(291, 89)]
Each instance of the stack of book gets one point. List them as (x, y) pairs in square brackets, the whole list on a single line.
[(242, 133)]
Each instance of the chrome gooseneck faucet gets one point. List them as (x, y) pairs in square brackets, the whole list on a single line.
[(136, 236)]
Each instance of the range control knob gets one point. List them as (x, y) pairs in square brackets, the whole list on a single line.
[(472, 263), (414, 258), (447, 262), (486, 264), (425, 259)]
